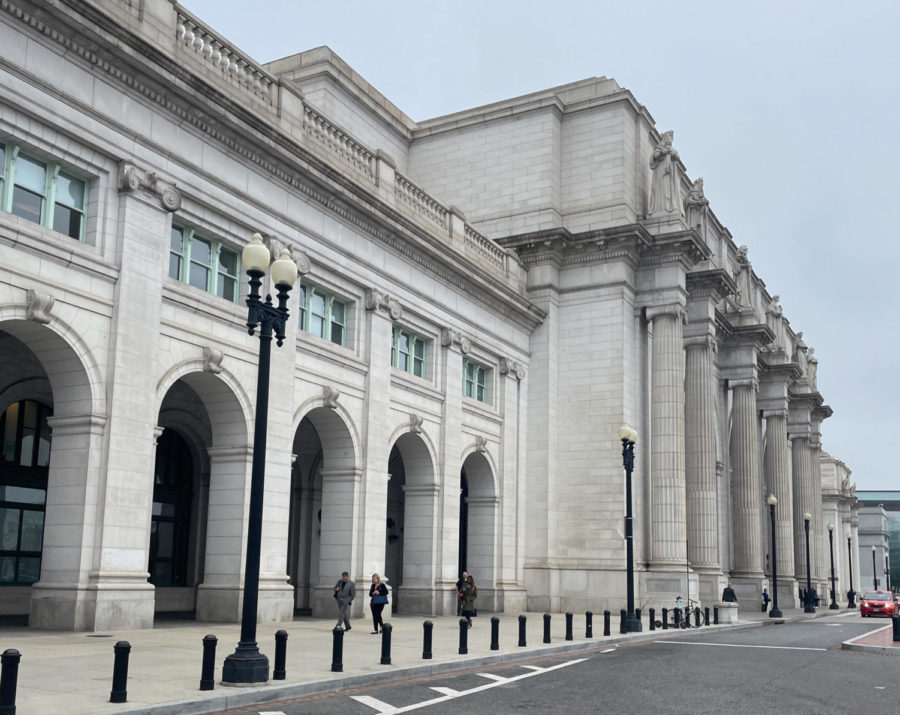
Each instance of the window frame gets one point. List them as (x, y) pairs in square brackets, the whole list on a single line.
[(412, 360), (484, 384), (213, 268), (308, 291), (12, 155)]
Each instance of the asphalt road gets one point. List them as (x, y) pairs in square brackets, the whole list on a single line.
[(788, 668)]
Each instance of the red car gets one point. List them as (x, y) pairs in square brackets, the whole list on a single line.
[(877, 603)]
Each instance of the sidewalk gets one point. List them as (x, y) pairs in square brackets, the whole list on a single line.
[(879, 641), (72, 672)]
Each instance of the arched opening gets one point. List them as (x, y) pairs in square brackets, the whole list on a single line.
[(411, 524), (324, 483), (479, 514)]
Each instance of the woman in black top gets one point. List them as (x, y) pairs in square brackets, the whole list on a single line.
[(378, 593)]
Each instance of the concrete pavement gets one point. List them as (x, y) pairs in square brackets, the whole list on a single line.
[(72, 672)]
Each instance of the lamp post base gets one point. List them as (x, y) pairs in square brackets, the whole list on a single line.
[(632, 624), (809, 609), (245, 665), (775, 613), (834, 607)]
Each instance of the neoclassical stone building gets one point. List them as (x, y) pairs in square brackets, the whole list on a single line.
[(484, 298)]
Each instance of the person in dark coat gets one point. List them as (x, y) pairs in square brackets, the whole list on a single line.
[(468, 603), (728, 595), (461, 591), (344, 593), (766, 599), (378, 594)]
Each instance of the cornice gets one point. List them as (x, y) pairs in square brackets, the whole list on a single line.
[(779, 372), (750, 336), (714, 283), (124, 57)]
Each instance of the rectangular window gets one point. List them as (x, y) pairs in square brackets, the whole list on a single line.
[(42, 192), (408, 352), (204, 263), (323, 314), (475, 380)]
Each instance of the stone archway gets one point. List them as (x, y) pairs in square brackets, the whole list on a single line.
[(479, 515)]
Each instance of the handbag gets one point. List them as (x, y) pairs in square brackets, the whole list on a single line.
[(379, 599)]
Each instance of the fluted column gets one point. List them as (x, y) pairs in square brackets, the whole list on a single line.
[(667, 437), (803, 502), (777, 465), (700, 452), (746, 498)]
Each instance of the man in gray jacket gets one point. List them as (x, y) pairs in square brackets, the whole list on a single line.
[(344, 593)]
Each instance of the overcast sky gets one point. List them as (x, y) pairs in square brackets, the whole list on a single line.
[(783, 107)]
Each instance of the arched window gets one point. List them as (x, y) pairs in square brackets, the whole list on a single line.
[(24, 465)]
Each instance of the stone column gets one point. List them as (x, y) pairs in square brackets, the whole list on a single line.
[(777, 467), (667, 486), (700, 453), (745, 493), (803, 503)]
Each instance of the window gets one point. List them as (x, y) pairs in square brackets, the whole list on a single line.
[(475, 380), (408, 352), (203, 263), (323, 315), (41, 192), (24, 463)]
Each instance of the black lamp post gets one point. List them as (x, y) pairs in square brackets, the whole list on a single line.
[(850, 594), (833, 606), (874, 572), (247, 664), (628, 435), (774, 612), (808, 606)]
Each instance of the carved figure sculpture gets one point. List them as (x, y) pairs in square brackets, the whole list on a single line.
[(696, 205), (665, 193)]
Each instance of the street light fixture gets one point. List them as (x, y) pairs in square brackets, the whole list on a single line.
[(808, 606), (833, 605), (850, 594), (874, 572), (247, 664), (628, 435), (774, 612)]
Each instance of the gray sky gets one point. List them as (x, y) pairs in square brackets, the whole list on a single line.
[(783, 107)]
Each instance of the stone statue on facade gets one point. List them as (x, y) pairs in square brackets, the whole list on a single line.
[(696, 206), (665, 183)]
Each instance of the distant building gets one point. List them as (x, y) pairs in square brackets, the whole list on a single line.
[(485, 297), (882, 530)]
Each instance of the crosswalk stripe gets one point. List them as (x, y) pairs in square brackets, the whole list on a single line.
[(374, 703), (491, 676), (444, 691)]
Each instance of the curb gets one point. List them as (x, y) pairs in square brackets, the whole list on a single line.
[(852, 645)]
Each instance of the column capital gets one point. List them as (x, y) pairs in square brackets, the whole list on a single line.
[(512, 368), (455, 339), (378, 300), (701, 341), (131, 178), (775, 413), (744, 382), (672, 309)]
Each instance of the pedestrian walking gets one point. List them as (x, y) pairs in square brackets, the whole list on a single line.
[(344, 593), (460, 591), (470, 593), (765, 600), (378, 594)]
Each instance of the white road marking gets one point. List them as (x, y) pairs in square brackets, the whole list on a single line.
[(374, 703), (444, 691), (608, 650), (453, 694), (272, 712), (492, 676), (737, 645)]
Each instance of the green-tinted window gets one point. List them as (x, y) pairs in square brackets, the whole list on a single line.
[(204, 263), (475, 380), (408, 352), (323, 314), (41, 192)]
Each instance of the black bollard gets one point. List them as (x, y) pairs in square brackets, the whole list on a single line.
[(637, 614), (522, 643), (119, 694), (337, 650), (9, 675), (427, 627), (606, 619), (207, 672), (697, 617), (588, 624), (569, 627), (715, 615), (463, 636), (677, 617), (652, 619), (665, 619), (896, 623), (386, 629), (546, 628), (278, 672), (706, 616), (623, 614), (495, 633)]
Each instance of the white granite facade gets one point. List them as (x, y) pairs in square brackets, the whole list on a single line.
[(491, 303)]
